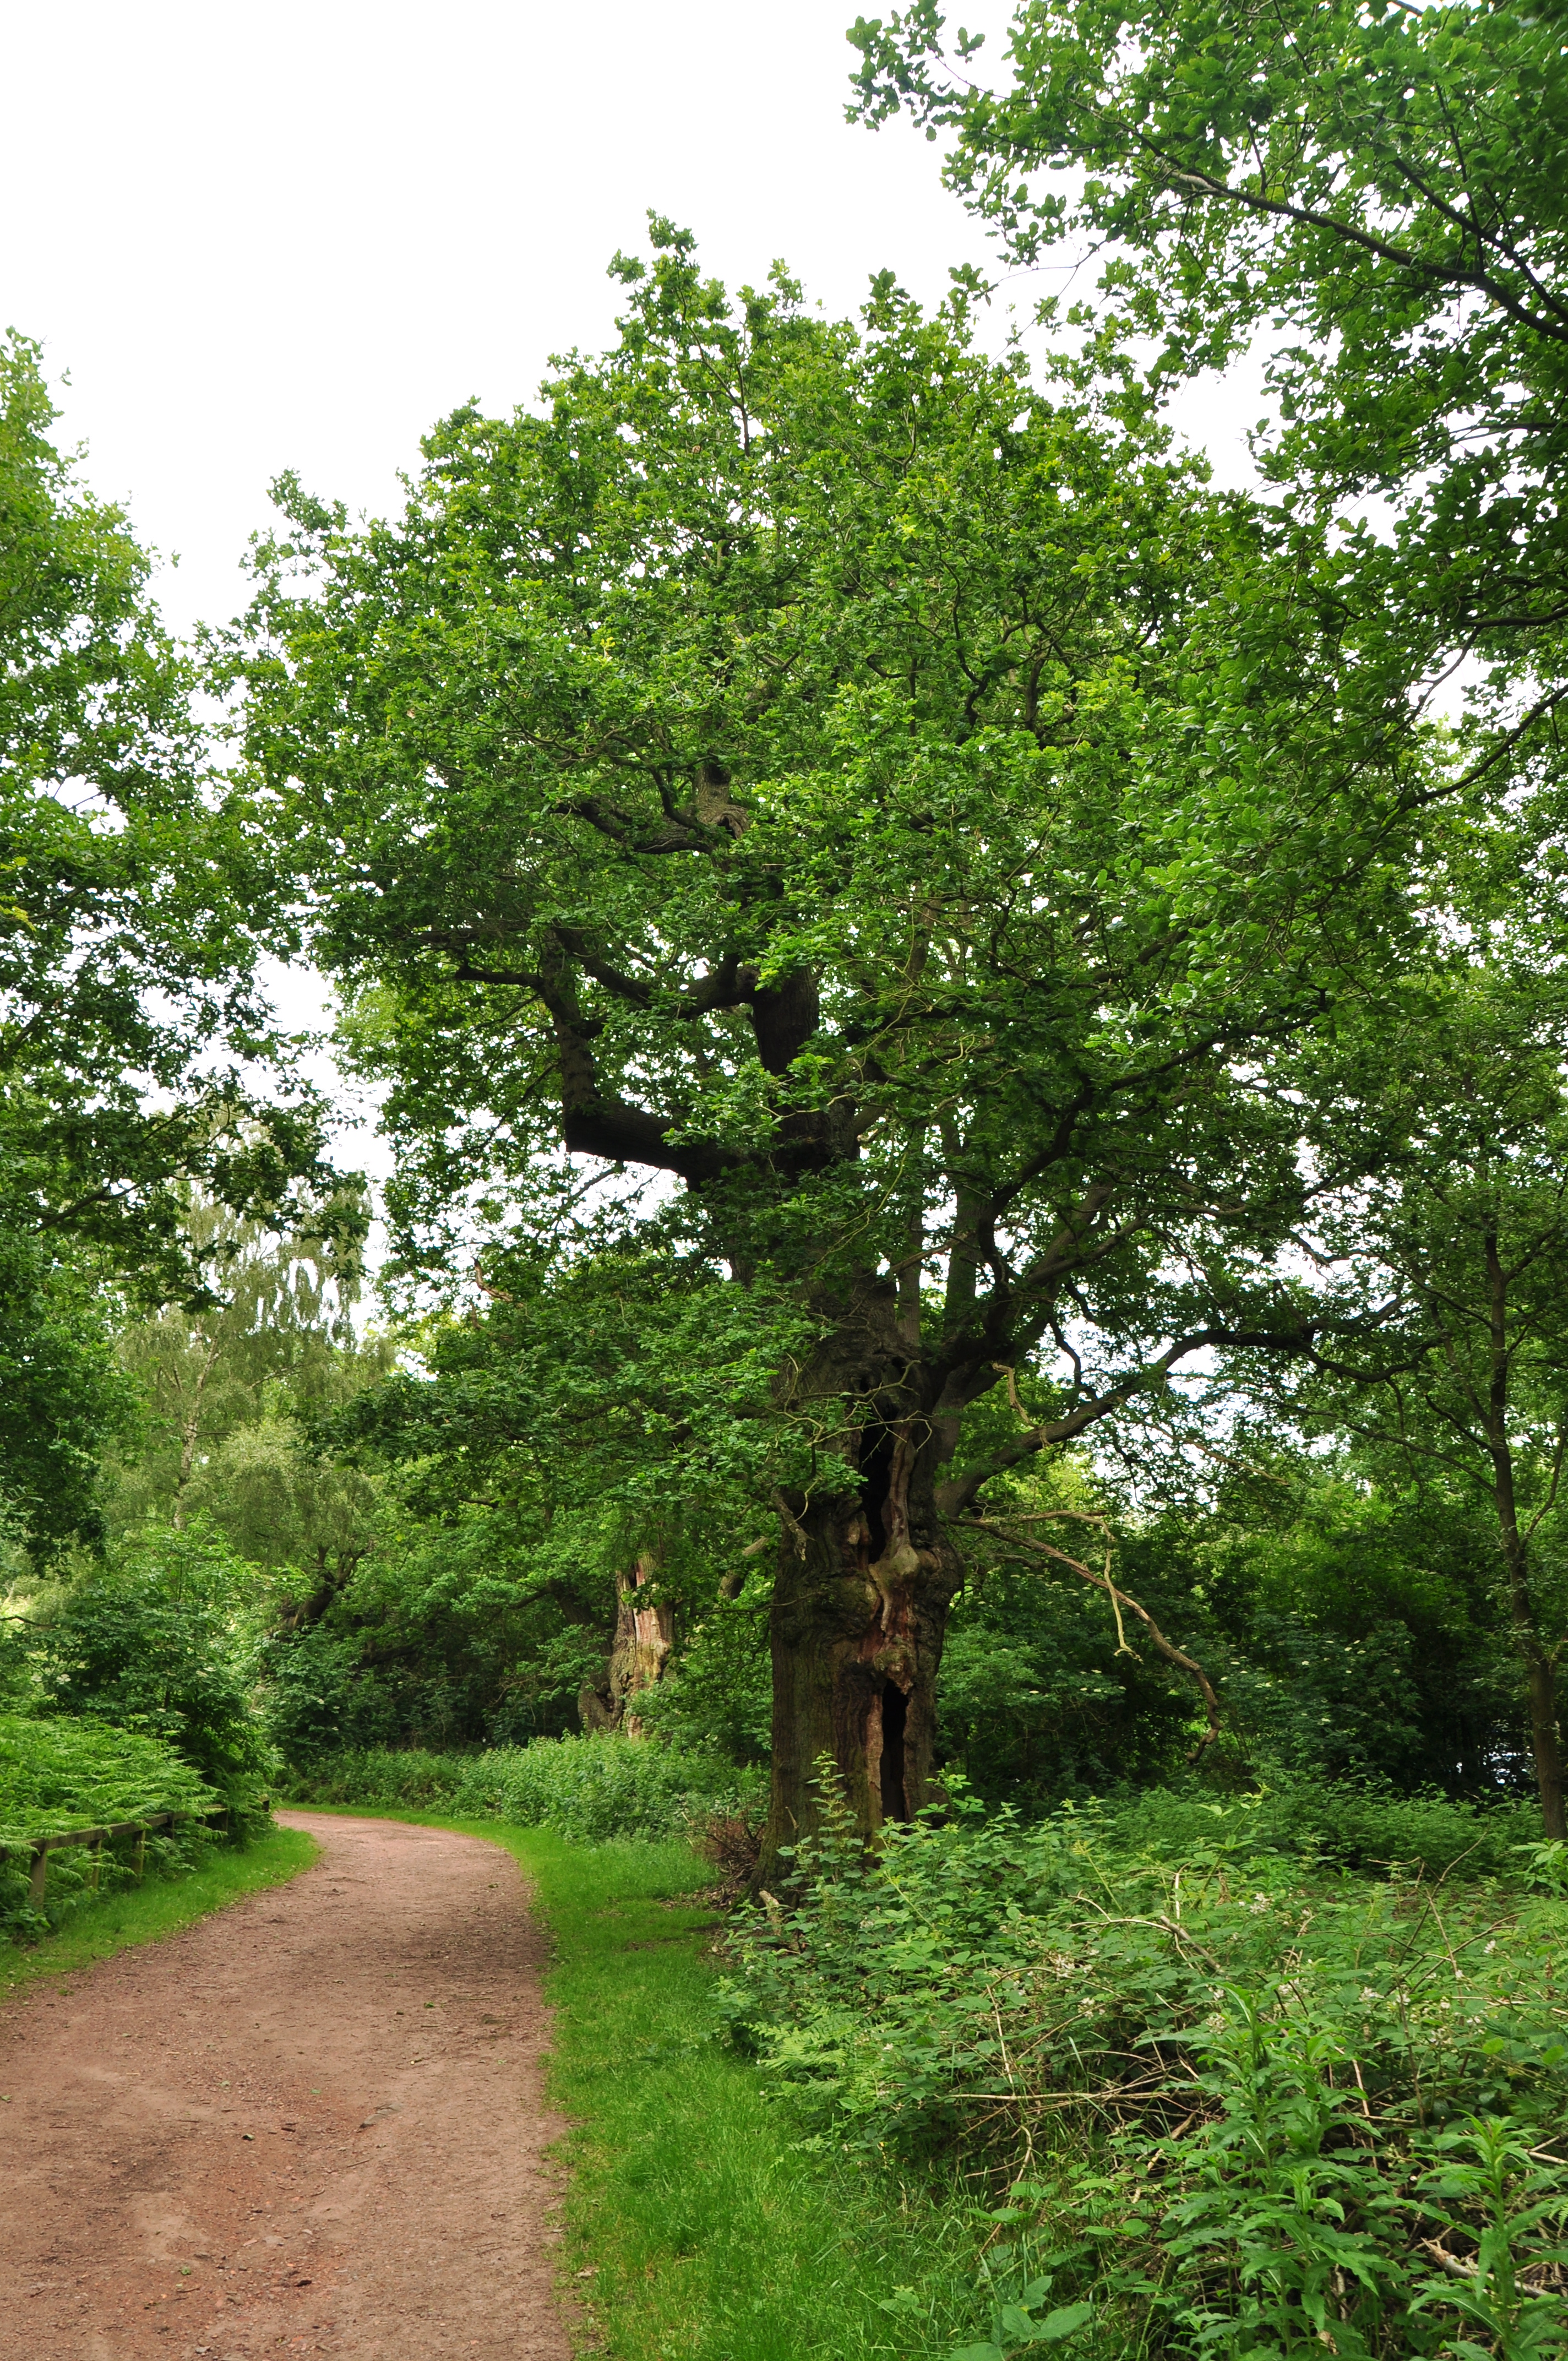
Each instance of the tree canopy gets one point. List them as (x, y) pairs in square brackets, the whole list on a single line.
[(131, 918), (807, 762), (1374, 193)]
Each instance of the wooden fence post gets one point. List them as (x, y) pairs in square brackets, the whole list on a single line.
[(41, 1846)]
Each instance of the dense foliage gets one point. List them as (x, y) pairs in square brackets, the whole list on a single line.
[(62, 1773), (130, 928), (74, 1773), (1231, 2101), (976, 1064), (1372, 193), (590, 1789), (149, 1644)]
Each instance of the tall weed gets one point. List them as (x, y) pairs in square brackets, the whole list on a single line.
[(1232, 2100), (605, 1786), (381, 1774), (593, 1790)]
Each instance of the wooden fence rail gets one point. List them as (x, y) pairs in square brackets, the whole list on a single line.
[(41, 1846)]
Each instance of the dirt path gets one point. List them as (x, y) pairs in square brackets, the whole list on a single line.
[(310, 2124)]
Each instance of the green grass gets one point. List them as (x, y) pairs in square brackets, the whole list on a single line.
[(144, 1914), (711, 2234)]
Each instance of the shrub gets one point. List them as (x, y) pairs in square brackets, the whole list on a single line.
[(382, 1774), (1236, 2102), (82, 1775), (718, 1696), (1358, 1825), (149, 1646), (591, 1789), (603, 1785)]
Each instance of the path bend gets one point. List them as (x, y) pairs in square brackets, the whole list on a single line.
[(314, 2122)]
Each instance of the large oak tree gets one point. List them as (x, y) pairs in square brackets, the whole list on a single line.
[(805, 763)]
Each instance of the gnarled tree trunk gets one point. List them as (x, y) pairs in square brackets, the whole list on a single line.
[(860, 1613), (644, 1634)]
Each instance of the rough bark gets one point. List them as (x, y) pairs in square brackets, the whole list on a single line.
[(644, 1634), (860, 1613)]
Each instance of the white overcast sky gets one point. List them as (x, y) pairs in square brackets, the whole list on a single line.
[(295, 237)]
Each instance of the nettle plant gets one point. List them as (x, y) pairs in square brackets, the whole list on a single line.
[(1229, 2100)]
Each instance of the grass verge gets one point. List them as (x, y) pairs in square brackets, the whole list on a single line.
[(711, 2234), (143, 1914)]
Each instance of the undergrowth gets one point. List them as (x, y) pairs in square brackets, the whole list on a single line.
[(1225, 2100), (56, 1774), (73, 1773), (1354, 1826), (590, 1789)]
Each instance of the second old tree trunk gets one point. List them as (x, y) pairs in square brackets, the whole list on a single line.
[(644, 1634), (859, 1610)]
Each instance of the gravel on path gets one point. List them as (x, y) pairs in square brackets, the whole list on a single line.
[(312, 2122)]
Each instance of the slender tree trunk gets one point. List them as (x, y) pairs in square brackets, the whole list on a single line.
[(190, 1434), (1547, 1740), (860, 1613), (1541, 1678), (1540, 1684), (1540, 1674)]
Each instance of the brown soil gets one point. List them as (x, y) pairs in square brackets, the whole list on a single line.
[(310, 2124)]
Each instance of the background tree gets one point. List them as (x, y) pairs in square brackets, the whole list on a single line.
[(128, 954), (229, 1389), (161, 1638), (597, 1442), (64, 1401), (810, 765), (1379, 191), (1438, 1339)]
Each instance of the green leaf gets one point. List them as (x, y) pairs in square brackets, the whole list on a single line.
[(1066, 2321)]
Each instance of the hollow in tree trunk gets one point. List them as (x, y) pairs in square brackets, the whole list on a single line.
[(860, 1613)]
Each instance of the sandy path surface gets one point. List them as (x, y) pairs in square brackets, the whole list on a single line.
[(310, 2124)]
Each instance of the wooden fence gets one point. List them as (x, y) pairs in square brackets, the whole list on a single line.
[(41, 1846)]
